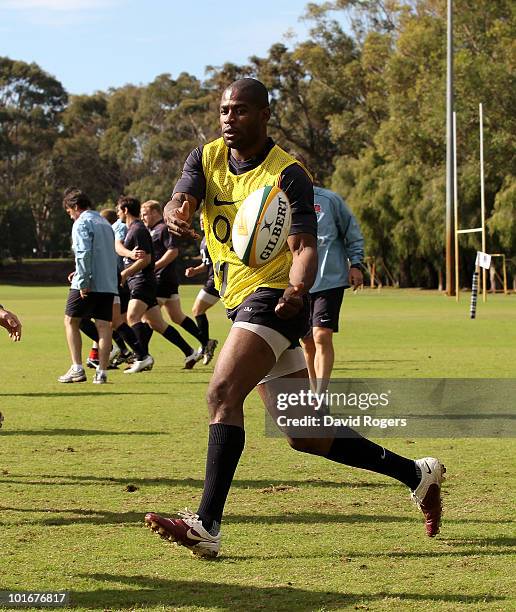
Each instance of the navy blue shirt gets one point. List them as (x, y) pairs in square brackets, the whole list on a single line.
[(138, 236), (163, 241)]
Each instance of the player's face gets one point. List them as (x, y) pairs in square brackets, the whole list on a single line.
[(73, 213), (241, 122), (120, 214)]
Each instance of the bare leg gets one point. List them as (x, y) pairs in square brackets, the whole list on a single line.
[(73, 337), (105, 331)]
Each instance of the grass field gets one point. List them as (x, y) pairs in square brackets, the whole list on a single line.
[(81, 464)]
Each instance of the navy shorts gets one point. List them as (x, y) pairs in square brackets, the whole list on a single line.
[(166, 290), (94, 305), (144, 291), (259, 308), (325, 308), (209, 286)]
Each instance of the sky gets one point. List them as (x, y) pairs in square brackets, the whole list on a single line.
[(91, 45)]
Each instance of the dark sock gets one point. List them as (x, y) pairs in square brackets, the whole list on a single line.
[(225, 445), (204, 328), (357, 451), (128, 335), (189, 326), (149, 331), (173, 336), (90, 329), (140, 332), (119, 341)]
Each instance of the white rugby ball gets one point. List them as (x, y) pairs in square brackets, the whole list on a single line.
[(261, 226)]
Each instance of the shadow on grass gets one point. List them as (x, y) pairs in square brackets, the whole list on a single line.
[(78, 432), (195, 593), (82, 516), (270, 487)]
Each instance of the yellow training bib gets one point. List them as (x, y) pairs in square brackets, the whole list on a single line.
[(225, 192)]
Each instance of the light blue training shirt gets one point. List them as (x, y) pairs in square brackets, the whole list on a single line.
[(93, 243), (339, 240), (120, 229)]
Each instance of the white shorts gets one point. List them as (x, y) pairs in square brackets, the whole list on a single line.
[(207, 297), (287, 360)]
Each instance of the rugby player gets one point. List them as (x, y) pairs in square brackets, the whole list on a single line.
[(143, 312), (269, 309), (206, 298), (93, 283), (166, 252), (340, 252)]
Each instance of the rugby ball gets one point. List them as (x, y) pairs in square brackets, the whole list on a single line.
[(261, 226)]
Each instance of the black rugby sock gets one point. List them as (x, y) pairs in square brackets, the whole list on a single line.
[(140, 331), (360, 452), (128, 335), (225, 445), (173, 336), (119, 341), (149, 331), (90, 329), (204, 328), (189, 326)]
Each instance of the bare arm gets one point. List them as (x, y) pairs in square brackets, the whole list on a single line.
[(195, 271), (135, 267), (11, 323), (179, 213), (122, 251), (302, 274), (167, 259)]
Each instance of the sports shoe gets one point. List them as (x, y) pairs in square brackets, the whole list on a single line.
[(92, 363), (140, 365), (1, 419), (100, 378), (185, 531), (192, 359), (427, 496), (113, 355), (209, 351), (73, 376)]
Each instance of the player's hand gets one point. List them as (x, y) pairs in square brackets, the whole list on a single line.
[(70, 276), (138, 254), (356, 278), (12, 324), (84, 292), (123, 278), (291, 302), (190, 272), (178, 219)]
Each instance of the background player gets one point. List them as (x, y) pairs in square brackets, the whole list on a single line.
[(340, 251), (206, 298), (143, 305), (93, 284), (166, 252)]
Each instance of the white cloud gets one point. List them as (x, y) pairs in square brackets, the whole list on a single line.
[(56, 5)]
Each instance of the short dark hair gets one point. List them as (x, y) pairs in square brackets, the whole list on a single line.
[(109, 214), (252, 89), (131, 204), (73, 198)]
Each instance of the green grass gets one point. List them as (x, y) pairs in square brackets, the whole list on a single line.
[(300, 533)]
